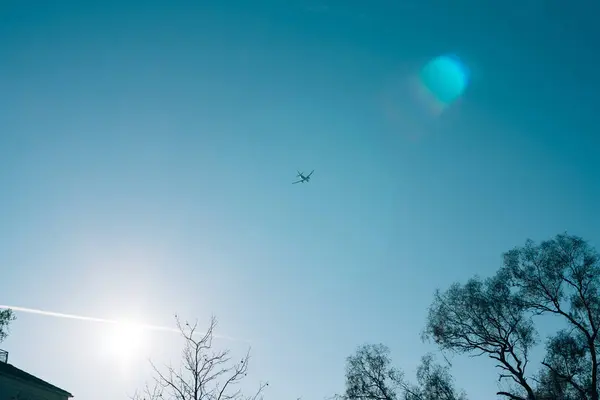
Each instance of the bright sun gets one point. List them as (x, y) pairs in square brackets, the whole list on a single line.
[(124, 341)]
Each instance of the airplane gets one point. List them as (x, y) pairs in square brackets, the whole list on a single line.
[(303, 178)]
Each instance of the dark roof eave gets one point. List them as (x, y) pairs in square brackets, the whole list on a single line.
[(26, 377)]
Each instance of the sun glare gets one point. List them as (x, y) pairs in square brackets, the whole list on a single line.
[(124, 341)]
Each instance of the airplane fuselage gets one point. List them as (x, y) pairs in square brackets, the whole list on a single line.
[(303, 178)]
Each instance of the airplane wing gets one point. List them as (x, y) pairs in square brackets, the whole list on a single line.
[(311, 172), (300, 181)]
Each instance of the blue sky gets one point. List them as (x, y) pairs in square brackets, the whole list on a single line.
[(147, 150)]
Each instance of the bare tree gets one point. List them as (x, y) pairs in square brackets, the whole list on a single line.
[(485, 318), (371, 376), (150, 392), (205, 373)]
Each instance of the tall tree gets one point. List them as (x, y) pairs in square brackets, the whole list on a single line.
[(485, 318), (370, 375), (205, 373), (6, 317), (434, 382), (561, 277), (566, 364)]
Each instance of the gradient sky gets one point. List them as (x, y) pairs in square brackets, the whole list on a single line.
[(147, 151)]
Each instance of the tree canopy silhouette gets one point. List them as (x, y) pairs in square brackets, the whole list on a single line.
[(6, 317), (495, 317), (371, 376)]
